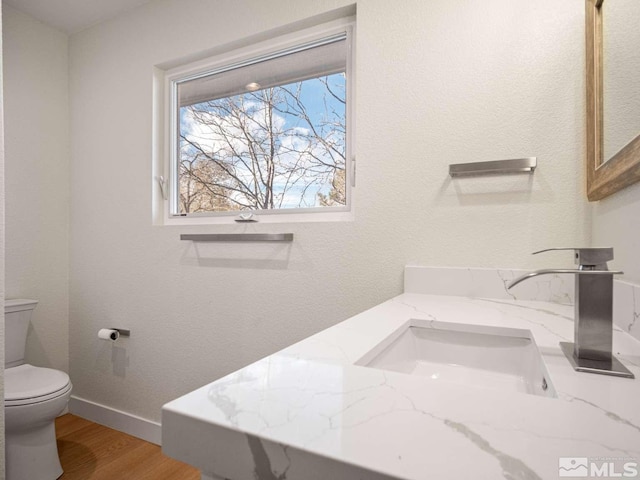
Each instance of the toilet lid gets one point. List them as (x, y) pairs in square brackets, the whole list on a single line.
[(29, 382)]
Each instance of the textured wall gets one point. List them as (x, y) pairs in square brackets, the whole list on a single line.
[(438, 82), (37, 181), (616, 223), (2, 235)]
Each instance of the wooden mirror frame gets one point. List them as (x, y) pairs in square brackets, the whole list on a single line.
[(623, 169)]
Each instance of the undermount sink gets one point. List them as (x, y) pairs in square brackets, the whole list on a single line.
[(501, 358)]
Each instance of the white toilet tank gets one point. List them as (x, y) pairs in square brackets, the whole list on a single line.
[(17, 315)]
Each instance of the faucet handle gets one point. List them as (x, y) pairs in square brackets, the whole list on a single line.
[(588, 256)]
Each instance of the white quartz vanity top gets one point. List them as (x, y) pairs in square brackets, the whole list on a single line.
[(308, 412)]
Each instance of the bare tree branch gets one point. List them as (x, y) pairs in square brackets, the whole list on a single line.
[(262, 150)]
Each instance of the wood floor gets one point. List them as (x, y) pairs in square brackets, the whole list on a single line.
[(89, 451)]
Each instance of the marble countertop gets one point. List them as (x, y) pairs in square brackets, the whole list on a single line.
[(308, 412)]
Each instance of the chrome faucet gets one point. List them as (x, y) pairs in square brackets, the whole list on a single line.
[(593, 322)]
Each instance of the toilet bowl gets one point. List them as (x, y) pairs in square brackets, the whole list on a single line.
[(34, 397)]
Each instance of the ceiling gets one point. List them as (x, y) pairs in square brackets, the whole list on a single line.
[(71, 16)]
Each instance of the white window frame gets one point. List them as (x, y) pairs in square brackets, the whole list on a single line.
[(167, 173)]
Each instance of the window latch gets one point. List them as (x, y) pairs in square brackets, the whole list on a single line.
[(162, 183), (353, 176)]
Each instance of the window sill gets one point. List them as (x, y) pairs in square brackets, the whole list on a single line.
[(344, 216)]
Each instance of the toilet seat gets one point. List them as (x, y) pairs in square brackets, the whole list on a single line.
[(26, 384)]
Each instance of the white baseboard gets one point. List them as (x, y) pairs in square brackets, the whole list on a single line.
[(116, 419)]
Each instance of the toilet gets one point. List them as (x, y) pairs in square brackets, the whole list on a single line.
[(33, 398)]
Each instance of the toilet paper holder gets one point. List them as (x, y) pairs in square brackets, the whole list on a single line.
[(113, 333)]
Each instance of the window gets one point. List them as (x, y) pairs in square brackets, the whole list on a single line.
[(267, 133)]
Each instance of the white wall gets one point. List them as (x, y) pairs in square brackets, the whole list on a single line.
[(35, 59), (439, 82), (616, 223), (2, 234)]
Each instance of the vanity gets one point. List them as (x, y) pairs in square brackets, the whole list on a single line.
[(458, 377)]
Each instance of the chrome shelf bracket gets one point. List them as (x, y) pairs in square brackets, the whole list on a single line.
[(237, 237), (493, 167)]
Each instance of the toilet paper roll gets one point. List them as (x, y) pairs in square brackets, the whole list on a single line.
[(108, 334)]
